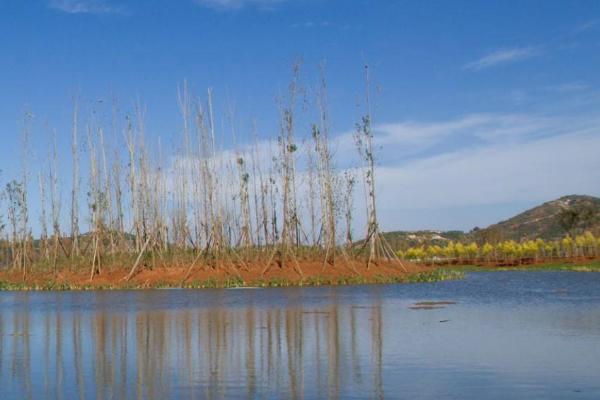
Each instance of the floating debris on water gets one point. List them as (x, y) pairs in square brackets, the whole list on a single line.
[(430, 305), (434, 303)]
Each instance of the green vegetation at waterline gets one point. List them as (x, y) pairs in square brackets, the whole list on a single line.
[(592, 266), (455, 272), (435, 275)]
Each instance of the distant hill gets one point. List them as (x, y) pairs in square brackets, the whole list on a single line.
[(405, 239), (552, 220)]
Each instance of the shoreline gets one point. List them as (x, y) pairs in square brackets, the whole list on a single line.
[(306, 273), (419, 277), (172, 278)]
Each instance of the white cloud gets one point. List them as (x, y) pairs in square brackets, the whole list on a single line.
[(502, 56), (539, 170), (85, 7), (231, 5)]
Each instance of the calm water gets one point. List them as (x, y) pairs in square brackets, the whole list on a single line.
[(526, 335)]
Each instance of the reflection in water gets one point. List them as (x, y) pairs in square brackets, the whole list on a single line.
[(361, 342), (212, 353)]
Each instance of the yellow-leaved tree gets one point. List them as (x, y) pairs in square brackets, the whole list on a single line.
[(487, 250)]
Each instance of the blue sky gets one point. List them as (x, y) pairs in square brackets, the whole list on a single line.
[(482, 109)]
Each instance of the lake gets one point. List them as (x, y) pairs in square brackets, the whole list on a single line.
[(501, 335)]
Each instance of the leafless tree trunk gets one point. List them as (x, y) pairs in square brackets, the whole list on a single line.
[(326, 175), (214, 192), (257, 184), (181, 229), (119, 223), (95, 205), (43, 217), (290, 231), (312, 170), (25, 233), (350, 181), (107, 203), (246, 228), (287, 148), (55, 204), (14, 197), (132, 147), (75, 183)]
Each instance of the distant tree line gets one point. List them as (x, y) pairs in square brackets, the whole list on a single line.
[(510, 251)]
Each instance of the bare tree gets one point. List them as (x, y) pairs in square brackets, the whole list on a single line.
[(107, 213), (378, 248), (75, 182), (181, 231), (131, 148), (119, 224), (43, 217), (348, 205), (312, 193), (55, 204), (95, 201), (326, 176), (244, 177), (14, 198), (290, 231), (257, 191), (24, 214)]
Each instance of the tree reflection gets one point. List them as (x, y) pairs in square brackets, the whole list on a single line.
[(214, 353)]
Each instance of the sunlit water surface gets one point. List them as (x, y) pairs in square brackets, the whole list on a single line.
[(510, 335)]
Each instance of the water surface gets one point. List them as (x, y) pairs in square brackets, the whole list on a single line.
[(518, 335)]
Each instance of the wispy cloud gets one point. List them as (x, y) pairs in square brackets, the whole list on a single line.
[(86, 7), (414, 139), (232, 5), (587, 26), (502, 56), (311, 24), (568, 87)]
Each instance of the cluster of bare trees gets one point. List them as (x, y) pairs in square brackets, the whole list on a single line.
[(206, 204)]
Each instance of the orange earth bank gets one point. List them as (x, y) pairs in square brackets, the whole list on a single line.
[(246, 274)]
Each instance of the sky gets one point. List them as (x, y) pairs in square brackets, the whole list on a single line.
[(481, 109)]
